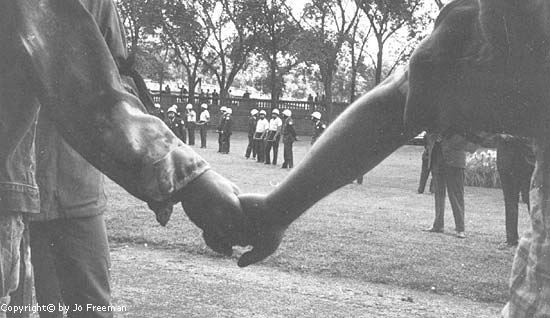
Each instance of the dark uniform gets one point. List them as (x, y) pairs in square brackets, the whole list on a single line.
[(289, 137), (177, 126), (515, 164), (219, 128), (318, 130), (250, 148), (227, 130)]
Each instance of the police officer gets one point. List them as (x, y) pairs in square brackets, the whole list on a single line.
[(176, 124), (252, 120), (259, 135), (289, 137), (273, 136), (191, 116), (158, 112), (227, 130), (219, 128), (204, 119), (318, 126)]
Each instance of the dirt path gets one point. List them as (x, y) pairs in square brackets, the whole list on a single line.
[(169, 283)]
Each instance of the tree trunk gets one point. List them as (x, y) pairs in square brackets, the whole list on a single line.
[(379, 59), (353, 72)]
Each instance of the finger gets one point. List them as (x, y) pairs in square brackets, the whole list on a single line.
[(258, 253), (217, 243)]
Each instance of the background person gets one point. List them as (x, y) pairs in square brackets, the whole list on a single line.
[(227, 130), (191, 122), (262, 125), (515, 164), (175, 123), (223, 111), (252, 121), (272, 137), (318, 126), (289, 137), (204, 119), (447, 162)]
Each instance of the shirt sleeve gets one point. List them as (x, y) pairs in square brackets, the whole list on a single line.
[(84, 96)]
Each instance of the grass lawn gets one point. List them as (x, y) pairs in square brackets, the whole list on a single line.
[(370, 232)]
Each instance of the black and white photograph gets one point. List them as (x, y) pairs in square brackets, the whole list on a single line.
[(275, 158)]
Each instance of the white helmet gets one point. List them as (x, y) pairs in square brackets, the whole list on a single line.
[(229, 111), (287, 113), (189, 106), (173, 109), (157, 105), (262, 112), (316, 115), (253, 112), (223, 109), (275, 111), (203, 105)]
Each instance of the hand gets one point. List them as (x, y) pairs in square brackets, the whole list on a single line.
[(211, 202), (266, 229)]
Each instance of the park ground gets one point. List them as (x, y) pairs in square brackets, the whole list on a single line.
[(360, 252)]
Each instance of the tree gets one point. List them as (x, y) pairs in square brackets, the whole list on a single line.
[(276, 38), (387, 17), (328, 23), (186, 36), (357, 42), (440, 4), (230, 27), (137, 17)]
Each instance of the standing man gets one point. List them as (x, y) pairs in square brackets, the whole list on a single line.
[(252, 120), (204, 119), (515, 164), (448, 160), (219, 128), (318, 126), (175, 123), (227, 130), (273, 136), (259, 135), (191, 123), (289, 137)]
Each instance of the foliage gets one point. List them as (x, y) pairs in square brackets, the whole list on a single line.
[(276, 40), (481, 169), (387, 17)]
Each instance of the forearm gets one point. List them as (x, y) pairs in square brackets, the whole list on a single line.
[(86, 99), (366, 133)]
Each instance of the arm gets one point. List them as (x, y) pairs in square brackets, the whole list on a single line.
[(368, 131), (83, 94)]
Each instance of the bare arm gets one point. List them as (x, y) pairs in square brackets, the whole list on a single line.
[(366, 133)]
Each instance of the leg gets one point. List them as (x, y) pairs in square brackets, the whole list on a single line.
[(248, 147), (11, 232), (267, 155), (203, 136), (81, 254), (530, 282), (440, 187), (455, 186), (275, 150), (285, 155), (220, 141), (46, 283), (291, 155), (424, 174), (22, 296), (510, 190)]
